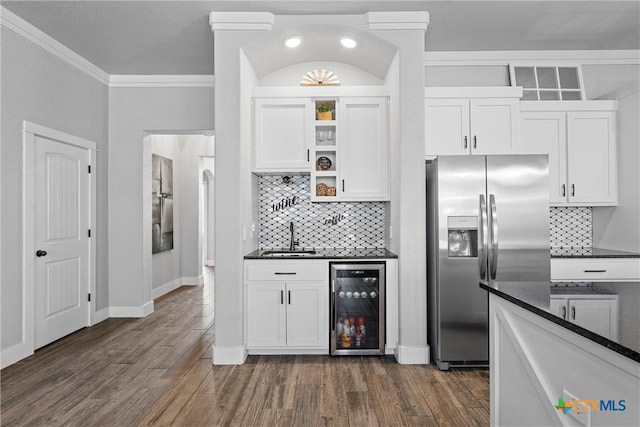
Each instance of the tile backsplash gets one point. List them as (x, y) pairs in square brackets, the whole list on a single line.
[(320, 225), (571, 227)]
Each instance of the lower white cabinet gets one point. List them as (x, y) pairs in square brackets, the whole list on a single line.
[(595, 269), (287, 307), (596, 313)]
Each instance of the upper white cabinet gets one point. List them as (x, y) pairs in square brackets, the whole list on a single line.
[(364, 151), (282, 131), (580, 139), (463, 121), (339, 135)]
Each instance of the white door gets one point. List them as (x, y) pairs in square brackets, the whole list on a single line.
[(307, 315), (591, 158), (593, 314), (266, 315), (283, 130), (62, 186), (447, 126), (363, 150), (493, 125), (545, 132)]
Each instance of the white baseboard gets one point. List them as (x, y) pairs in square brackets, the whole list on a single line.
[(166, 288), (14, 354), (175, 284), (100, 315), (229, 355), (132, 311), (412, 355), (193, 281)]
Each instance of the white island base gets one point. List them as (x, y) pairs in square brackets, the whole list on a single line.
[(535, 362)]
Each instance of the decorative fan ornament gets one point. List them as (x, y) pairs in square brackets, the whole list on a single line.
[(320, 78)]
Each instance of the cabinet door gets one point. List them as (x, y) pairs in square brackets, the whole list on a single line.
[(595, 315), (546, 133), (307, 314), (493, 125), (558, 307), (266, 315), (282, 132), (363, 149), (591, 158), (447, 126)]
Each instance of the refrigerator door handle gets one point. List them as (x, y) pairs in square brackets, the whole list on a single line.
[(493, 227), (482, 241)]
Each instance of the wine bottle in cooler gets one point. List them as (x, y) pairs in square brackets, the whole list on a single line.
[(363, 330)]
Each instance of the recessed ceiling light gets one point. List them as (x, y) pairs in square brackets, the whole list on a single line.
[(292, 41), (348, 42)]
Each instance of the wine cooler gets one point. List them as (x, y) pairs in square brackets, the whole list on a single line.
[(357, 308)]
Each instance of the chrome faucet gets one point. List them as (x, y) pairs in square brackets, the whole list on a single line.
[(292, 243)]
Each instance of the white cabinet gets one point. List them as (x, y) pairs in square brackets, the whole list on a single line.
[(364, 154), (282, 134), (287, 306), (581, 146), (596, 313), (470, 125), (595, 269), (351, 153)]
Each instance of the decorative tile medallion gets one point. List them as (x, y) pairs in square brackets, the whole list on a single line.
[(282, 200)]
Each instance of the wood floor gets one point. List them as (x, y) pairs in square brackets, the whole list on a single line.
[(158, 371)]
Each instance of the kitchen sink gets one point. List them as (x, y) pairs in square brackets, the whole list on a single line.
[(287, 253)]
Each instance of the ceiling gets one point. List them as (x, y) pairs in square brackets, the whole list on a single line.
[(174, 37)]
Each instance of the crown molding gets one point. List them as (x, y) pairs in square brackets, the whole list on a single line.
[(558, 57), (397, 20), (27, 31), (241, 21), (161, 81)]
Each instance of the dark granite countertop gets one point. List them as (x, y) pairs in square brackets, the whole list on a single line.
[(327, 253), (534, 297), (588, 252)]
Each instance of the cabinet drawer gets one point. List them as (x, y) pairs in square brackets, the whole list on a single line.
[(595, 269), (287, 271)]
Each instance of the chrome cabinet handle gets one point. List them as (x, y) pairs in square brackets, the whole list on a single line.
[(40, 253), (564, 190), (289, 292), (493, 227), (281, 297), (564, 312), (482, 241), (573, 313), (595, 271), (573, 189), (307, 154), (343, 185), (466, 144), (278, 273), (475, 143)]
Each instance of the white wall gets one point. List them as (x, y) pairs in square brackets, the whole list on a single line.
[(132, 111), (447, 76), (39, 87)]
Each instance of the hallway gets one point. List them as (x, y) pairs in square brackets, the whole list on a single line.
[(157, 371)]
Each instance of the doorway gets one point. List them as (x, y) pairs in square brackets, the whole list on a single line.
[(208, 213), (180, 262)]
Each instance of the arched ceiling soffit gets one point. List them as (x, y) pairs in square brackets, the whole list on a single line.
[(320, 43)]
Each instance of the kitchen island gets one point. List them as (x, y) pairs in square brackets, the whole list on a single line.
[(540, 362)]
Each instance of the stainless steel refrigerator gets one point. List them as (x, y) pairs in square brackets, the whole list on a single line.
[(487, 219)]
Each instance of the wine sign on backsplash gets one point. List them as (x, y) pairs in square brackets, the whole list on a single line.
[(318, 225)]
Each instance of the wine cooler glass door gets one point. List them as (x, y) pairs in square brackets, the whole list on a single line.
[(358, 308)]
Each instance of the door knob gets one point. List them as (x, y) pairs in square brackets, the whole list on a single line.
[(40, 253)]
